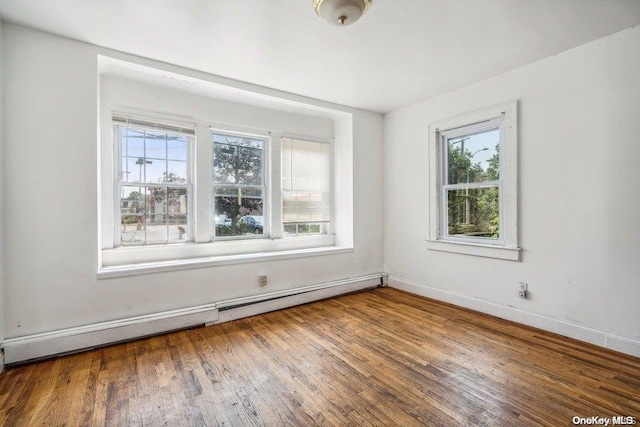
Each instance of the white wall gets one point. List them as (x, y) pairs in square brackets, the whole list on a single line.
[(1, 198), (51, 204), (117, 90), (578, 186)]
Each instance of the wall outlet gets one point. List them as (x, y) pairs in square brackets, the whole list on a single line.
[(523, 290), (262, 279)]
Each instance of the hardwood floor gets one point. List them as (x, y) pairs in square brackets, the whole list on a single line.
[(381, 357)]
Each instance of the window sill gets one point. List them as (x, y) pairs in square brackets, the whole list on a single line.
[(475, 249), (189, 250), (136, 269)]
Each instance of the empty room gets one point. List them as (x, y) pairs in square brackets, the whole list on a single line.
[(319, 212)]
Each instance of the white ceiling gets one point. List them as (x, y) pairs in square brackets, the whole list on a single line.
[(399, 53)]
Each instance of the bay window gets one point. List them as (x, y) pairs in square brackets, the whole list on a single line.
[(187, 190)]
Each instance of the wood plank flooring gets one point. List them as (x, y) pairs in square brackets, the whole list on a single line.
[(382, 357)]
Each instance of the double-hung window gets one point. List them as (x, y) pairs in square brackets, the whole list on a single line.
[(473, 161), (245, 207), (154, 186), (471, 183), (306, 187), (239, 188)]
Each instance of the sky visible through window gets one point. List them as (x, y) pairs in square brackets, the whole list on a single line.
[(473, 158), (154, 197), (481, 146), (153, 157)]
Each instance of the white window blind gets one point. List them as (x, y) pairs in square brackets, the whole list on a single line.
[(306, 187), (151, 124)]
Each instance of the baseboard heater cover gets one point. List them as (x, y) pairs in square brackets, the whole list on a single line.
[(373, 280), (39, 346), (251, 306), (64, 341)]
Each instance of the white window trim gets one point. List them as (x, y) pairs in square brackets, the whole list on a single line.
[(117, 154), (201, 250), (507, 246), (109, 166)]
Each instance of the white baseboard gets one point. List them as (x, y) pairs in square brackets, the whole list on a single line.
[(251, 306), (25, 348), (37, 346), (568, 329)]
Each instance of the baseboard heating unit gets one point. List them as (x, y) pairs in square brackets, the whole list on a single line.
[(38, 346)]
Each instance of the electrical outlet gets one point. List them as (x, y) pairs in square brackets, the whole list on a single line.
[(262, 279), (523, 290)]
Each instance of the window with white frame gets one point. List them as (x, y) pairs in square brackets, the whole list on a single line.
[(473, 161), (154, 186), (306, 187), (239, 187), (240, 196), (186, 190)]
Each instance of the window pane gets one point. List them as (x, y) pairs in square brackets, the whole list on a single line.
[(178, 228), (299, 229), (156, 226), (139, 169), (177, 201), (240, 213), (154, 170), (132, 169), (156, 218), (305, 206), (177, 147), (153, 215), (133, 207), (474, 212), (155, 144), (177, 172), (474, 158), (237, 160), (132, 142), (131, 230), (305, 166), (156, 215), (144, 154), (149, 213), (132, 200)]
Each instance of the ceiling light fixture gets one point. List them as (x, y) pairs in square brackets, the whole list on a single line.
[(341, 12)]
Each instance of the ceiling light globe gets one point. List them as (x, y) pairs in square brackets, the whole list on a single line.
[(341, 12)]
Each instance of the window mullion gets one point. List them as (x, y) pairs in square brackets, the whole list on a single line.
[(203, 215), (444, 212), (117, 175), (444, 176), (275, 184), (332, 190)]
